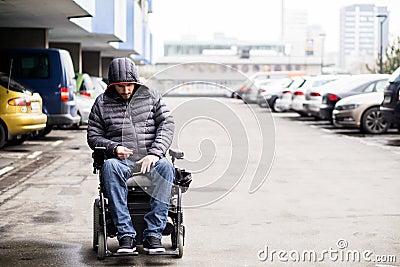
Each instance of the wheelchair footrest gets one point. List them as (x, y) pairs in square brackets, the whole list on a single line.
[(116, 254), (165, 253)]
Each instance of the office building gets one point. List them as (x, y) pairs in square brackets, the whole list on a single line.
[(360, 36)]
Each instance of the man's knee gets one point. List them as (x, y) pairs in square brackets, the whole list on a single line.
[(111, 164), (165, 169)]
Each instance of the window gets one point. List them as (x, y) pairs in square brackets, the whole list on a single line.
[(370, 88), (26, 66), (380, 86)]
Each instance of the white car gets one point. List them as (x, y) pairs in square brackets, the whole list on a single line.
[(298, 96), (268, 93), (361, 111), (250, 95), (84, 101), (283, 98)]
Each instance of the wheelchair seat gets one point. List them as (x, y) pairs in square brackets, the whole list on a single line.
[(139, 180)]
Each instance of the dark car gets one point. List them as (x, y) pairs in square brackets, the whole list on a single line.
[(390, 106), (358, 84), (49, 72)]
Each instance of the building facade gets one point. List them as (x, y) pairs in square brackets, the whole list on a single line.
[(93, 31), (360, 35), (224, 61)]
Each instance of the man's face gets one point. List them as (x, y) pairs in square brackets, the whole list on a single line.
[(125, 89)]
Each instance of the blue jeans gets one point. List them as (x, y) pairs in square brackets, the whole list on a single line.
[(115, 173)]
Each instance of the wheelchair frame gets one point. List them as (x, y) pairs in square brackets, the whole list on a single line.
[(138, 205)]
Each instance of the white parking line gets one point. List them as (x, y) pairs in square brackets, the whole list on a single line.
[(5, 170), (56, 143), (34, 154)]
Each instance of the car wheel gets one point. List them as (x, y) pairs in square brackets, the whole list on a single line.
[(275, 107), (18, 141), (3, 137), (372, 121), (303, 114), (262, 103), (45, 131)]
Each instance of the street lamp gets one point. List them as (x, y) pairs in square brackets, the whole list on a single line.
[(322, 35), (381, 41)]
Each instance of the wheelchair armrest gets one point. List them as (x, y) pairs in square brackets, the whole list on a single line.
[(98, 156), (177, 154)]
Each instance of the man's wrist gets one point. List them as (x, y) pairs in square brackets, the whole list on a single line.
[(115, 150)]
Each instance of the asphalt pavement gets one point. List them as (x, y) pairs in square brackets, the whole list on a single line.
[(268, 190)]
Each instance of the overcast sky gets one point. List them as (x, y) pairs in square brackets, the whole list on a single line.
[(250, 20)]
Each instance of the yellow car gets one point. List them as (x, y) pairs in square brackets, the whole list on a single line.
[(20, 112)]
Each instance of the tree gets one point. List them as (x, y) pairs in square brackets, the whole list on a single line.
[(392, 61)]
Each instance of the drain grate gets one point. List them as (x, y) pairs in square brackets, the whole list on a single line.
[(22, 173)]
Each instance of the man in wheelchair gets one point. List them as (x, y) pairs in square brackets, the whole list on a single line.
[(135, 127)]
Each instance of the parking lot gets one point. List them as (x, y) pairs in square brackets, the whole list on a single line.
[(326, 189)]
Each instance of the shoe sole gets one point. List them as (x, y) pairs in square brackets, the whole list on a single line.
[(152, 250), (126, 250)]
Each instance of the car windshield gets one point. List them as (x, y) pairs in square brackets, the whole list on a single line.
[(346, 84), (321, 82), (298, 82), (285, 82), (12, 84)]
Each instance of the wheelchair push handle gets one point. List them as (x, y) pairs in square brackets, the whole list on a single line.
[(176, 154), (98, 156)]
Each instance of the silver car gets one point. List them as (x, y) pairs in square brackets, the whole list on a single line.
[(361, 111)]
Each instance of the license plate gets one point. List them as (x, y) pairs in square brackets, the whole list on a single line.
[(35, 106), (387, 99)]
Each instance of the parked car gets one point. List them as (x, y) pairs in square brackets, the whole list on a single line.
[(284, 97), (88, 88), (89, 85), (49, 72), (390, 105), (363, 83), (265, 95), (361, 111), (259, 77), (250, 95), (298, 96), (314, 95), (20, 112), (254, 81), (99, 86)]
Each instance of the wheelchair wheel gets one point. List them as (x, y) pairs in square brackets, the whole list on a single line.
[(177, 240), (96, 225), (180, 246), (101, 249)]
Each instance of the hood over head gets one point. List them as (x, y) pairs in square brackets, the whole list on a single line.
[(122, 70)]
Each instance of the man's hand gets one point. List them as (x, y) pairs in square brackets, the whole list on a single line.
[(147, 162), (123, 152)]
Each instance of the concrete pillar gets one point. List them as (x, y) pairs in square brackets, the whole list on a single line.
[(91, 63), (105, 62), (75, 49), (24, 38)]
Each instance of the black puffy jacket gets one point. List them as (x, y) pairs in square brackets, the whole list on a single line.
[(143, 124)]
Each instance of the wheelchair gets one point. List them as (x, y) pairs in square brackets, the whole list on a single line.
[(139, 194)]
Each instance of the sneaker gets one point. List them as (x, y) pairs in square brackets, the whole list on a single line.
[(169, 227), (153, 244), (127, 244)]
